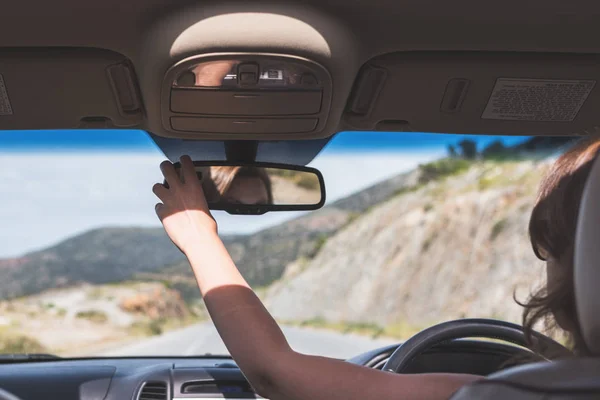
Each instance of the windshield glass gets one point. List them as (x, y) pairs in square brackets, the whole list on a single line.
[(417, 229)]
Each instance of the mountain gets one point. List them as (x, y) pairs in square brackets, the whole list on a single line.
[(115, 254), (98, 256), (263, 256), (450, 248)]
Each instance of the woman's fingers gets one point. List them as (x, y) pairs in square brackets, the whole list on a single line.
[(170, 174), (160, 191), (188, 170), (160, 210)]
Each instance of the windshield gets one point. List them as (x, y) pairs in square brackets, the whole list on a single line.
[(417, 229)]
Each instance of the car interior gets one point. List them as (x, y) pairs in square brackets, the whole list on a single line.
[(274, 82)]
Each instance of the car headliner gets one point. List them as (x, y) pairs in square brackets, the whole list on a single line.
[(340, 34), (382, 26)]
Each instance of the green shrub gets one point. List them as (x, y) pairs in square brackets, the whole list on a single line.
[(92, 315), (364, 328), (188, 289), (485, 183), (427, 244), (155, 327), (442, 168), (429, 240), (494, 149), (352, 216), (17, 343), (468, 148), (300, 178), (498, 176), (401, 330), (316, 322), (147, 328), (95, 293), (498, 228), (395, 330), (319, 243), (407, 189), (308, 181), (285, 173)]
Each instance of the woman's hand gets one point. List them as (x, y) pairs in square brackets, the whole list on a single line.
[(183, 212)]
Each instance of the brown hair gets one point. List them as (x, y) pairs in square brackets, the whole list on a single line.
[(552, 232), (223, 177)]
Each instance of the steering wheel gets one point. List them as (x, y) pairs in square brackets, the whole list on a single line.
[(4, 395), (465, 328)]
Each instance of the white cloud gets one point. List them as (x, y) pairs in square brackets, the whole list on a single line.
[(48, 197)]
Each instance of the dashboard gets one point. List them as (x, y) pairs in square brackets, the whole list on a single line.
[(208, 378)]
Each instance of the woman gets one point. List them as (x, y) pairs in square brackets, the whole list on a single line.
[(256, 342), (238, 185), (552, 231)]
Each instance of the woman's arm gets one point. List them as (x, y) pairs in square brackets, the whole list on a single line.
[(253, 338)]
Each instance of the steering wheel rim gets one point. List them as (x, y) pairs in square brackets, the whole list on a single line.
[(465, 328), (4, 395)]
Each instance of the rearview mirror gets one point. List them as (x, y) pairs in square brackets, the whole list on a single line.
[(258, 188)]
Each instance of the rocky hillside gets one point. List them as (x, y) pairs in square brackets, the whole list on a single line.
[(98, 256), (446, 241), (115, 254), (446, 248), (262, 257)]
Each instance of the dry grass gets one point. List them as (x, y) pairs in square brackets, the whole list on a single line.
[(395, 330), (19, 343), (95, 316), (154, 327)]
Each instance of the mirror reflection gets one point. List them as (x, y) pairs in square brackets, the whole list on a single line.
[(235, 74), (250, 185), (214, 73)]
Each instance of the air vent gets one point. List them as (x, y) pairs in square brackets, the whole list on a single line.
[(153, 391), (212, 387)]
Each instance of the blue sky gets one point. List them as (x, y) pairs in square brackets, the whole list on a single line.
[(56, 184), (139, 141), (72, 140)]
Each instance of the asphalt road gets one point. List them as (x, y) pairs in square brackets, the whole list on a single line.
[(203, 338)]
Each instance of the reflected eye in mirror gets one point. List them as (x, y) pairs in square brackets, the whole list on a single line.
[(260, 187)]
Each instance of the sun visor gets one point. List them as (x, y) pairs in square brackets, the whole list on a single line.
[(67, 88), (478, 93)]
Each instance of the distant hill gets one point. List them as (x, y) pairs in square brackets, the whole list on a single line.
[(447, 249), (115, 254), (98, 256)]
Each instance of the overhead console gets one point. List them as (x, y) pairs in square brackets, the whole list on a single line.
[(237, 94)]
